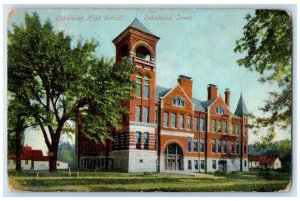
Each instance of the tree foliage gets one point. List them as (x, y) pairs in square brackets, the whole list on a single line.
[(57, 81), (267, 45), (281, 149), (66, 153)]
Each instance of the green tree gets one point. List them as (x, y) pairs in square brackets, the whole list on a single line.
[(281, 149), (267, 45), (18, 122), (66, 153), (59, 80)]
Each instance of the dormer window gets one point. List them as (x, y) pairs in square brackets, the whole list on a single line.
[(177, 101), (219, 110)]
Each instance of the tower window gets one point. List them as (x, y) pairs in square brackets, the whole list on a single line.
[(138, 113), (138, 140), (138, 85), (143, 53), (146, 114), (146, 141), (146, 87)]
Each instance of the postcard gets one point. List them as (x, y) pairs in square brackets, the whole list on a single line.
[(149, 100)]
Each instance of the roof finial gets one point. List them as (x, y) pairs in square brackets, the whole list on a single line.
[(241, 87), (136, 13)]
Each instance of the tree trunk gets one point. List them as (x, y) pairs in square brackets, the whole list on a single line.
[(53, 158), (18, 151), (19, 133), (106, 153)]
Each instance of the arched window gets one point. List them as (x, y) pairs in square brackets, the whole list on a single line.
[(138, 85), (219, 110), (146, 87), (177, 101), (143, 53)]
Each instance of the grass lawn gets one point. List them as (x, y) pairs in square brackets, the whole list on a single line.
[(156, 182)]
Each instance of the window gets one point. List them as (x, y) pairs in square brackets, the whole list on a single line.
[(196, 145), (231, 147), (195, 124), (202, 145), (202, 124), (225, 127), (202, 164), (146, 114), (146, 87), (219, 126), (189, 164), (213, 125), (245, 148), (173, 120), (245, 163), (146, 141), (189, 142), (138, 140), (232, 129), (181, 122), (156, 115), (196, 164), (214, 164), (166, 119), (219, 110), (138, 113), (237, 147), (219, 146), (143, 53), (138, 85), (245, 130), (189, 122), (26, 162), (213, 146), (239, 129), (178, 102), (225, 146)]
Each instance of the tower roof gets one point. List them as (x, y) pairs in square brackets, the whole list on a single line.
[(137, 24), (241, 108)]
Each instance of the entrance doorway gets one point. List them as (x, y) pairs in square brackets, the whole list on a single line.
[(223, 166), (173, 157)]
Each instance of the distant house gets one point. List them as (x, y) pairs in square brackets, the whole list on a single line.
[(262, 162), (33, 160)]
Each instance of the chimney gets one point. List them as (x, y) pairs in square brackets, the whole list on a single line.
[(227, 97), (212, 91), (187, 84)]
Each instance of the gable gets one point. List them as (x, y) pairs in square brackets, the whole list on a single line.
[(219, 107), (177, 92)]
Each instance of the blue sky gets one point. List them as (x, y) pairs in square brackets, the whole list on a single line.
[(201, 48)]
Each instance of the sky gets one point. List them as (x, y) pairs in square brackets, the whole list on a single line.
[(198, 43)]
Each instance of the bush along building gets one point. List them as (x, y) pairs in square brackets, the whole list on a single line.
[(168, 129)]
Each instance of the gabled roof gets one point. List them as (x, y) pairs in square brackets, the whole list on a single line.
[(241, 108), (207, 103), (262, 159), (198, 105), (160, 92), (137, 24)]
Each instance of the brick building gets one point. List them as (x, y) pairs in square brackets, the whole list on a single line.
[(168, 129)]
